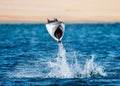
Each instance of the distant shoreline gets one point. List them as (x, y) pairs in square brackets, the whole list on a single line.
[(71, 22), (64, 22)]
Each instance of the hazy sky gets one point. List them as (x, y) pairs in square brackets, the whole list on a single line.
[(67, 10)]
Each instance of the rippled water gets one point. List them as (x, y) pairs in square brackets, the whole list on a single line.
[(89, 55)]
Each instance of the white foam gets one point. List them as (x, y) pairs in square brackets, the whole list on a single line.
[(62, 69), (92, 69)]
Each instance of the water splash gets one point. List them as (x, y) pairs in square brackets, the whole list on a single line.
[(60, 67), (91, 69)]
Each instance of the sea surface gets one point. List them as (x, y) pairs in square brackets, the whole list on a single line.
[(88, 55)]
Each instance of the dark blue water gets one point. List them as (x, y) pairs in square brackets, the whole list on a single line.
[(29, 56)]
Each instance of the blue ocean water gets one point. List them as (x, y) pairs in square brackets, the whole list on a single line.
[(88, 55)]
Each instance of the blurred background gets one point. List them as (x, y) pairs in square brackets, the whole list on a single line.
[(13, 11)]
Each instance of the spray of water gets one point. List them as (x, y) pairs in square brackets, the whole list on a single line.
[(60, 67), (91, 69)]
